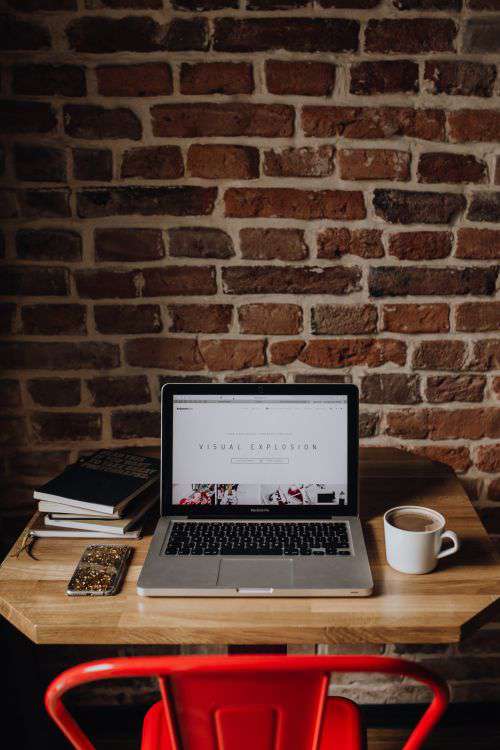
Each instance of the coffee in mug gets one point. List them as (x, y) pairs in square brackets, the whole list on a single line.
[(414, 538)]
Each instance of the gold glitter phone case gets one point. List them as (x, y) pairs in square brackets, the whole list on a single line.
[(100, 571)]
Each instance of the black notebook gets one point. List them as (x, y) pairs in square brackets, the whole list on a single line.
[(103, 482)]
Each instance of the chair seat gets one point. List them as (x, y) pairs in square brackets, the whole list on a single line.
[(342, 727)]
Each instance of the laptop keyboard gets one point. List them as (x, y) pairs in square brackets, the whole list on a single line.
[(254, 538)]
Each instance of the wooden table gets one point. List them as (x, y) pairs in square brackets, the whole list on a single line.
[(444, 606)]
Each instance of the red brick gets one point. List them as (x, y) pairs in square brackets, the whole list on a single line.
[(392, 281), (115, 244), (18, 117), (488, 458), (350, 352), (158, 201), (113, 4), (12, 430), (271, 319), (368, 424), (153, 163), (119, 390), (200, 318), (334, 242), (446, 388), (50, 355), (481, 125), (36, 204), (319, 377), (223, 162), (126, 425), (232, 354), (423, 5), (9, 207), (411, 207), (95, 164), (128, 318), (201, 5), (10, 393), (235, 119), (447, 167), (217, 78), (420, 245), (39, 163), (273, 244), (344, 319), (384, 77), (291, 203), (49, 244), (483, 244), (291, 34), (481, 35), (407, 424), (62, 427), (285, 352), (147, 79), (34, 281), (256, 377), (49, 80), (7, 317), (179, 280), (410, 36), (300, 78), (54, 319), (170, 354), (390, 388), (439, 355), (373, 122), (486, 355), (457, 458), (290, 280), (32, 6), (101, 284), (374, 164), (467, 424), (416, 318), (136, 34), (16, 34), (199, 242), (459, 78), (299, 162), (478, 316), (484, 207), (96, 123), (55, 391)]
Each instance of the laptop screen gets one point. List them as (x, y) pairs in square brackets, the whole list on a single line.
[(260, 450)]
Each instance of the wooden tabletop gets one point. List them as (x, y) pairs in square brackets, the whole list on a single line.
[(442, 607)]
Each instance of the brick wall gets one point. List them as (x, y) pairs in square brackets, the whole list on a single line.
[(256, 190)]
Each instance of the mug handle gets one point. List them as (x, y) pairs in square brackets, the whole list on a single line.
[(451, 550)]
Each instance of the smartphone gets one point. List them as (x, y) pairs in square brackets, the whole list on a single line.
[(100, 571)]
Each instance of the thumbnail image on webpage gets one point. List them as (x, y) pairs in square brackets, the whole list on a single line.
[(234, 493)]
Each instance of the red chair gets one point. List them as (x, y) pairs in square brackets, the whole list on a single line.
[(247, 702)]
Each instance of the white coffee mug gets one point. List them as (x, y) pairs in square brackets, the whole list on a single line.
[(417, 551)]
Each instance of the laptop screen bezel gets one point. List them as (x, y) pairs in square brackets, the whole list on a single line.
[(168, 508)]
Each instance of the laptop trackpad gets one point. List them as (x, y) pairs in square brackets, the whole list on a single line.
[(254, 573)]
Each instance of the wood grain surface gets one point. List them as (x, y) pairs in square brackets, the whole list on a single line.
[(442, 607)]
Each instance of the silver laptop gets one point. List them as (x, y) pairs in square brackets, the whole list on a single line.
[(259, 493)]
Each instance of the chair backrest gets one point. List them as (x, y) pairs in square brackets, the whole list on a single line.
[(242, 702)]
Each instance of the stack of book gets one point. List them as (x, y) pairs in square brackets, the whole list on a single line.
[(105, 495)]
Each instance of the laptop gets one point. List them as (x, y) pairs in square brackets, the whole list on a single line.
[(259, 493)]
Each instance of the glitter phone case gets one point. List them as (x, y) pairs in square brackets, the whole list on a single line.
[(100, 571)]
